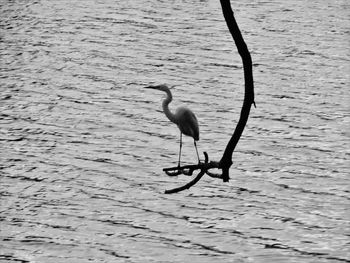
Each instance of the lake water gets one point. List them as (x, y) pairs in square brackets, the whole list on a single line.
[(82, 144)]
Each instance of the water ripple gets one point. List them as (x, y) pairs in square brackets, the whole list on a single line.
[(82, 144)]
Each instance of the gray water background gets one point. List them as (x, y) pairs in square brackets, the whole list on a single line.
[(82, 144)]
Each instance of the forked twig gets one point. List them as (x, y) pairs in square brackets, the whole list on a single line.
[(189, 169)]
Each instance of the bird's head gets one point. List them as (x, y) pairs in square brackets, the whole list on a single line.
[(164, 88)]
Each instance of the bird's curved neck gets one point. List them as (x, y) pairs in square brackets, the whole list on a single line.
[(166, 109)]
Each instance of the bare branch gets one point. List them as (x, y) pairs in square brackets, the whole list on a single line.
[(226, 160)]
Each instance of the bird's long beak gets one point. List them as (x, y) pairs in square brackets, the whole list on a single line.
[(153, 87)]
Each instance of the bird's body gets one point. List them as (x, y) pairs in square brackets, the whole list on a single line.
[(184, 118), (188, 123)]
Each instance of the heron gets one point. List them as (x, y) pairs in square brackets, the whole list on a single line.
[(184, 118)]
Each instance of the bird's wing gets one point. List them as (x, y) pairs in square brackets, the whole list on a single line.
[(187, 122)]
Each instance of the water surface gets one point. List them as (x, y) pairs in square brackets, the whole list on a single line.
[(82, 144)]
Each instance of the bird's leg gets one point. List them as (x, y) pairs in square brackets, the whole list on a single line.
[(178, 164), (195, 146)]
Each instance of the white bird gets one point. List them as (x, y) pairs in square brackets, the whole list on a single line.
[(184, 118)]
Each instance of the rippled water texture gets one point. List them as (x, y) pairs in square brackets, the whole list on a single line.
[(83, 144)]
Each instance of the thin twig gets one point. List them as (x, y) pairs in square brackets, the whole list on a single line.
[(186, 186)]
